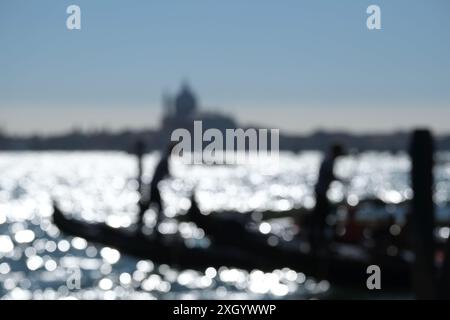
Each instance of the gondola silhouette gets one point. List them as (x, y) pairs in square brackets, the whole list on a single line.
[(234, 245)]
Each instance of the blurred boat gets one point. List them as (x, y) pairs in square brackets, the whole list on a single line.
[(383, 209), (343, 264), (162, 250)]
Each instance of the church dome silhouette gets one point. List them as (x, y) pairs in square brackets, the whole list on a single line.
[(185, 101)]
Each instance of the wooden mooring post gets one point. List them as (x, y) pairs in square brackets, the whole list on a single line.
[(139, 151), (423, 273)]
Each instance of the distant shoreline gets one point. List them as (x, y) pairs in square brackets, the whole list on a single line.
[(156, 139)]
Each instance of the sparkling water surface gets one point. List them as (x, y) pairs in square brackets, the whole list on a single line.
[(37, 261)]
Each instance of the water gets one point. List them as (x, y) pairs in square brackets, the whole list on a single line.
[(38, 262)]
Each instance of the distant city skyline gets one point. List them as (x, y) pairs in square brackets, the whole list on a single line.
[(299, 66)]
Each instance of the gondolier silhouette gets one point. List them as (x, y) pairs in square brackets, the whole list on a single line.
[(162, 171), (322, 208)]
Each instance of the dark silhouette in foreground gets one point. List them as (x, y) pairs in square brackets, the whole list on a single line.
[(317, 228), (353, 230), (154, 200), (247, 250), (139, 150)]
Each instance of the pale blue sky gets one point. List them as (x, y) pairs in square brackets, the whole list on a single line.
[(290, 64)]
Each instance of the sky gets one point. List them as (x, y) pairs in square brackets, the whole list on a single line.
[(295, 65)]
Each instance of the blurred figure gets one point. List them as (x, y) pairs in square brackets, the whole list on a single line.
[(162, 171), (354, 231), (139, 150), (322, 208)]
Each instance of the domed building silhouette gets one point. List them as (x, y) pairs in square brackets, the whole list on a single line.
[(182, 109), (185, 101)]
